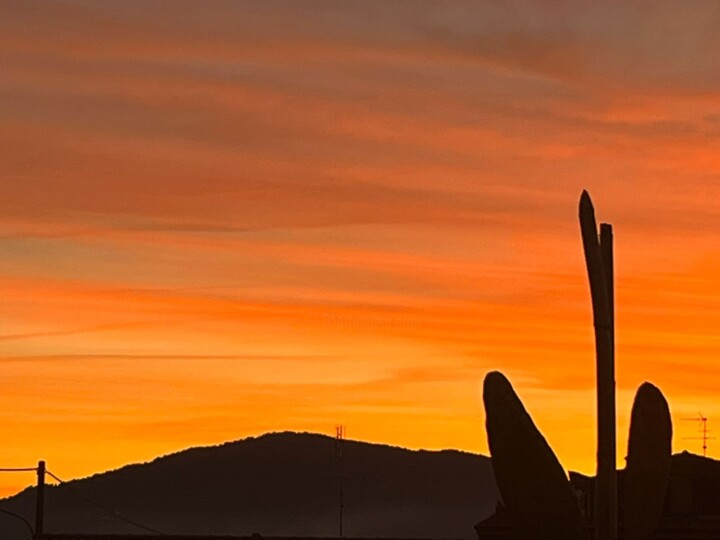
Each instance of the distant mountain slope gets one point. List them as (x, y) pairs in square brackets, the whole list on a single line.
[(277, 484)]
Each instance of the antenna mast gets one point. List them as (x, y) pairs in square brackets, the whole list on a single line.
[(703, 427)]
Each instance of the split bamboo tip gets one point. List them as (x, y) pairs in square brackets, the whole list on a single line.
[(586, 205)]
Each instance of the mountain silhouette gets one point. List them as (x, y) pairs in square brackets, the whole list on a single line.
[(277, 484)]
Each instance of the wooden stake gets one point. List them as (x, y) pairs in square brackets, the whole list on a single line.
[(40, 501)]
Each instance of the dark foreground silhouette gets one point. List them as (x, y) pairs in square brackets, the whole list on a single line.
[(278, 484), (285, 484), (539, 500), (533, 483)]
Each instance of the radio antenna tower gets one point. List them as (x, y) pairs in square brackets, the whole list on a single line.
[(703, 429), (339, 436)]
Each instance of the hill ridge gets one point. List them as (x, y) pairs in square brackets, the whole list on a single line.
[(278, 483)]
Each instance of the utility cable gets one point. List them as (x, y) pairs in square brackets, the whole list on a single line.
[(103, 507), (18, 516), (13, 514)]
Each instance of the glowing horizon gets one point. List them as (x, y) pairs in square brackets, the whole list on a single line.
[(238, 218)]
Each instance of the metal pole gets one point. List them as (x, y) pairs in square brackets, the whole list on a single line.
[(40, 501)]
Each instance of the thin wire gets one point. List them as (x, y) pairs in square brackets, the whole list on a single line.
[(18, 516), (102, 507), (13, 514)]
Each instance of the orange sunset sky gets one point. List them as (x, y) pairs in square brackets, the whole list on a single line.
[(219, 219)]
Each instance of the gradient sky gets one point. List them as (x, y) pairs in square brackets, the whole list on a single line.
[(219, 219)]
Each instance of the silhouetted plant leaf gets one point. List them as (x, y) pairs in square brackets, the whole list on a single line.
[(648, 462), (533, 484)]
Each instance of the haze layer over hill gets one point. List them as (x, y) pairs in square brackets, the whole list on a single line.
[(277, 484)]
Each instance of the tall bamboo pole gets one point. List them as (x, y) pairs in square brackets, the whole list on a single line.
[(606, 249), (598, 260)]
